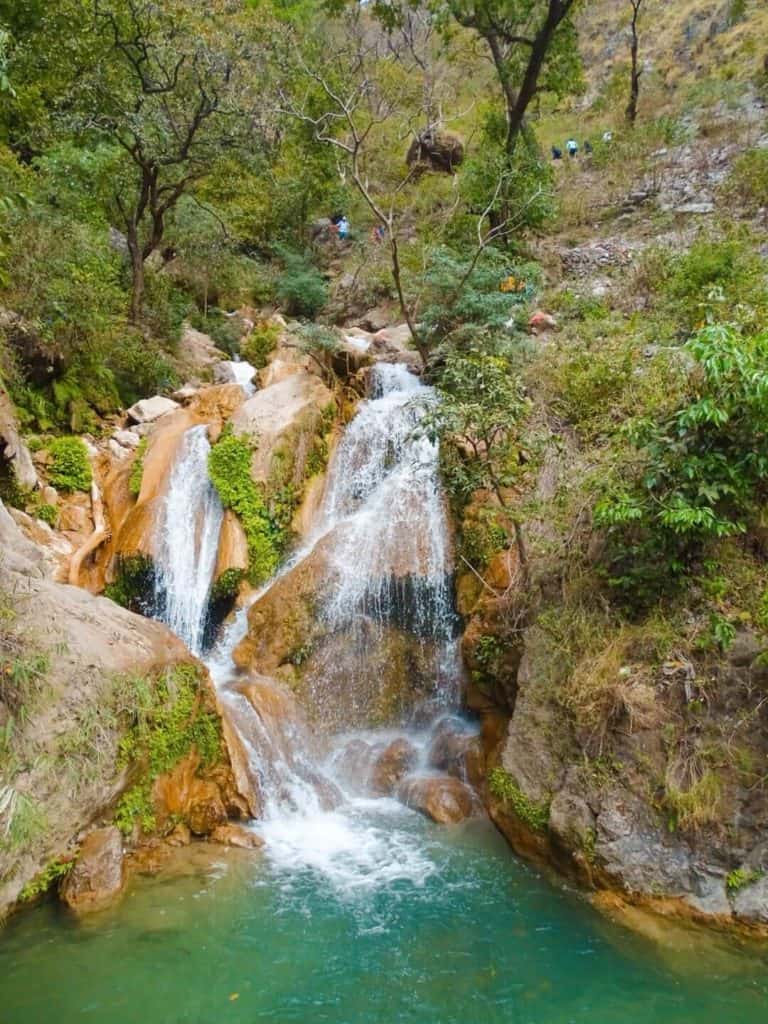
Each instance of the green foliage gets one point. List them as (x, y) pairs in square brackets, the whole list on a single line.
[(482, 537), (227, 585), (748, 181), (137, 470), (481, 409), (460, 300), (225, 331), (301, 287), (48, 513), (140, 366), (134, 583), (70, 468), (503, 786), (259, 343), (704, 466), (171, 720), (740, 878), (42, 882), (229, 465)]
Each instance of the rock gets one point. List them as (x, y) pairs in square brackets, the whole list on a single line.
[(376, 319), (750, 903), (98, 876), (352, 764), (392, 765), (182, 794), (279, 415), (436, 150), (12, 448), (185, 394), (392, 345), (232, 834), (127, 438), (230, 372), (233, 545), (442, 798), (179, 836), (150, 409), (17, 553), (696, 208), (198, 351), (452, 744), (571, 820), (49, 495), (74, 517), (117, 450), (540, 322)]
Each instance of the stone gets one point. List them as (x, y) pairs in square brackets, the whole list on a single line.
[(127, 438), (696, 208), (49, 495), (451, 743), (185, 394), (392, 765), (541, 321), (436, 150), (750, 903), (12, 448), (392, 345), (198, 351), (279, 414), (180, 835), (232, 834), (182, 794), (442, 798), (571, 820), (98, 876), (117, 450), (230, 372), (150, 409), (74, 518)]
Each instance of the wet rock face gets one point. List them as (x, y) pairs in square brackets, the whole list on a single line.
[(455, 749), (440, 797), (232, 834), (98, 877), (392, 765)]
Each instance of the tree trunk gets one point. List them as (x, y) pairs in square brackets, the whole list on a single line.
[(137, 277), (634, 88)]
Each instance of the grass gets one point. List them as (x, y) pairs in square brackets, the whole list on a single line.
[(534, 815)]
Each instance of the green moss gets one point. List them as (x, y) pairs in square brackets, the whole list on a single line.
[(137, 469), (227, 585), (48, 513), (42, 882), (503, 786), (133, 587), (170, 722), (229, 466), (741, 878), (70, 469)]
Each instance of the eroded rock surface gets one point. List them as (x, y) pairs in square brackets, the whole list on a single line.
[(98, 876)]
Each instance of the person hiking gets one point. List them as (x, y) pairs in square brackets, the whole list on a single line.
[(572, 146), (557, 154), (343, 228)]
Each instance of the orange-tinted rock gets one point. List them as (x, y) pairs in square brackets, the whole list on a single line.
[(233, 545), (182, 794), (98, 876), (392, 765), (442, 798), (453, 747), (232, 834)]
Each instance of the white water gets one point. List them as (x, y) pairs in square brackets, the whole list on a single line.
[(189, 529), (384, 514)]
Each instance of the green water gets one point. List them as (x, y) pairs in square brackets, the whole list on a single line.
[(393, 920)]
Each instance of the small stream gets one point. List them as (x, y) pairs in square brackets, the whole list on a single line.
[(362, 911)]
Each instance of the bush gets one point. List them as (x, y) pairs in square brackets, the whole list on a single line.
[(140, 368), (70, 469), (225, 331), (257, 346), (301, 287), (748, 181), (704, 467)]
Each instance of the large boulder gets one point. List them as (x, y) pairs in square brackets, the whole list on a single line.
[(392, 765), (198, 353), (436, 150), (279, 415), (442, 798), (147, 410), (13, 451), (98, 875)]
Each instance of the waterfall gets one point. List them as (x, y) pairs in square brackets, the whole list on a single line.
[(188, 540)]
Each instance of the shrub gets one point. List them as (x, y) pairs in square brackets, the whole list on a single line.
[(134, 584), (171, 721), (748, 181), (301, 287), (48, 513), (70, 469), (225, 331), (704, 466), (229, 466), (140, 367), (533, 814), (257, 346), (740, 878), (137, 469)]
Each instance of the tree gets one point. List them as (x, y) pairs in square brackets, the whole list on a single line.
[(172, 90), (532, 44), (636, 70), (479, 419)]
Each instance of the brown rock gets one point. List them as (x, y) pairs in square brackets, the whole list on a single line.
[(233, 545), (98, 877), (440, 797), (232, 834), (181, 793), (451, 745), (392, 765), (179, 836)]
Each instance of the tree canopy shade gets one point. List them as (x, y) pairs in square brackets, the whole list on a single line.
[(172, 90)]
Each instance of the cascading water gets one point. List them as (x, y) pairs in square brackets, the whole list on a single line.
[(188, 542), (384, 527)]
